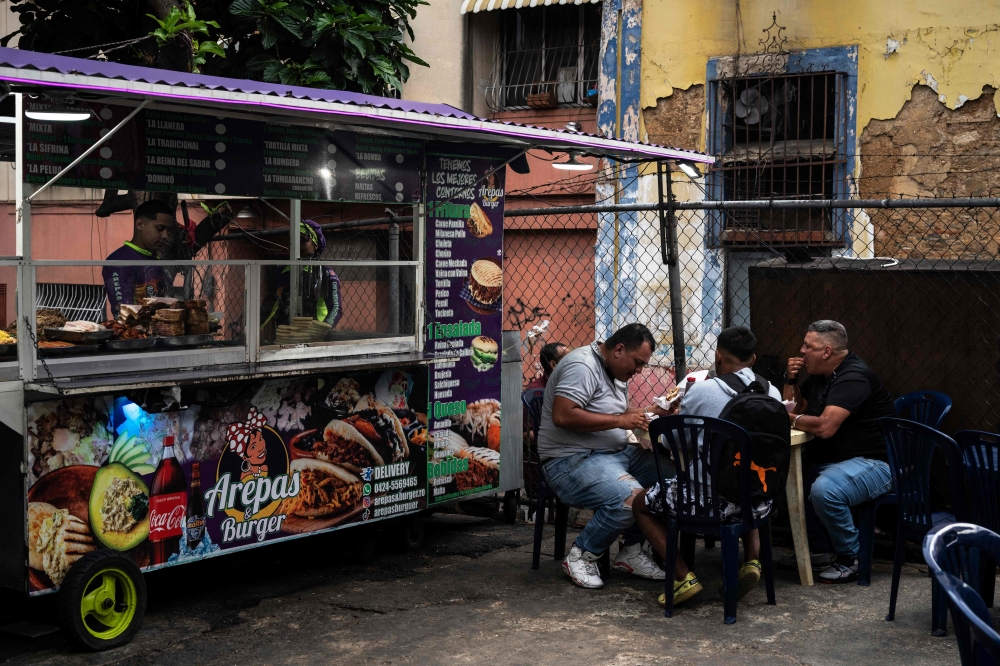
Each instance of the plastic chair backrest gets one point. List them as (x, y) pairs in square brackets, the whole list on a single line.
[(926, 407), (981, 464), (696, 444), (953, 554), (532, 399), (910, 447)]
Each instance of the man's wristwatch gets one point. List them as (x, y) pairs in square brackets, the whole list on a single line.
[(791, 381)]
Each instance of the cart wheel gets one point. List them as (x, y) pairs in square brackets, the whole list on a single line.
[(411, 534), (510, 499), (102, 601)]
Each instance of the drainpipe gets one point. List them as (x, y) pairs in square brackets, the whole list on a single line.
[(669, 255)]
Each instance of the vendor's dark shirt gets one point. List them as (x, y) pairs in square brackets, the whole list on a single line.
[(854, 387), (123, 283)]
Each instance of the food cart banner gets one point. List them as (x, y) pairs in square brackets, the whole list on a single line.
[(203, 154), (248, 465), (464, 295)]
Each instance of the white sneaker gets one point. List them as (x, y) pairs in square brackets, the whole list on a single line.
[(637, 560), (842, 570), (581, 567)]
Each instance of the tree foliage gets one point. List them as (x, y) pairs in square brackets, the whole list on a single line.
[(353, 45)]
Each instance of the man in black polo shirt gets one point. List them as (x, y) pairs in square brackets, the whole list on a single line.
[(839, 403)]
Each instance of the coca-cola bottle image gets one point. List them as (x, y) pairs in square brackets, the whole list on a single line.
[(195, 509), (167, 506)]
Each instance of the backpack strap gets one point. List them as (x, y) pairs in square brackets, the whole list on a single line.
[(733, 381), (764, 383)]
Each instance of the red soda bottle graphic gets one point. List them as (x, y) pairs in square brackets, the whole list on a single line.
[(167, 506)]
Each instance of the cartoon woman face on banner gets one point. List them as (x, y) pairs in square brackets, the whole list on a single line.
[(255, 456), (247, 441)]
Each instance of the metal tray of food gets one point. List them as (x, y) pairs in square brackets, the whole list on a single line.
[(131, 345), (8, 350), (181, 341), (77, 336), (67, 351)]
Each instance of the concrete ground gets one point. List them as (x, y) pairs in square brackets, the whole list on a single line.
[(470, 597)]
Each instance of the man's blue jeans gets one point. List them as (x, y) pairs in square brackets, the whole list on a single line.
[(837, 488), (602, 481)]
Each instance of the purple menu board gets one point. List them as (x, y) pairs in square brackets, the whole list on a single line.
[(464, 297)]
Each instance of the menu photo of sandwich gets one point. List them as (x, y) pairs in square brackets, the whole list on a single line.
[(479, 224), (483, 289), (484, 468), (329, 495)]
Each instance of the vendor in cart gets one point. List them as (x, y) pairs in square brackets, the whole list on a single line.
[(319, 285), (153, 222)]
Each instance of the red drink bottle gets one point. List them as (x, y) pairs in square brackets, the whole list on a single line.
[(167, 506)]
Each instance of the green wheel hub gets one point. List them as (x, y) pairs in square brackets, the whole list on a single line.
[(108, 603)]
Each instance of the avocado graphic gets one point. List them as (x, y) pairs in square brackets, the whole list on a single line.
[(135, 503)]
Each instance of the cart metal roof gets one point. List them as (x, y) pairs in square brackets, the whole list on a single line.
[(29, 71)]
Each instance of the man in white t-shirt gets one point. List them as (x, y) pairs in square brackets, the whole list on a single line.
[(735, 352)]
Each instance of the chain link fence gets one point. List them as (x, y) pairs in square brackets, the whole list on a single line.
[(915, 282)]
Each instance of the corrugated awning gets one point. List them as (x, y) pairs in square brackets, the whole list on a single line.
[(272, 101), (489, 5)]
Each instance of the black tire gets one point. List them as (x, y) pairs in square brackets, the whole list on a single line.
[(82, 576), (510, 500), (410, 535)]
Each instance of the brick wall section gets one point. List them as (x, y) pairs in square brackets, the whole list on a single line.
[(928, 150)]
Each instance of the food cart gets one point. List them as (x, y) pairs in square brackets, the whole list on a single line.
[(252, 401)]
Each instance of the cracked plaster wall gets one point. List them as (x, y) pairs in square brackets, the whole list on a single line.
[(951, 46)]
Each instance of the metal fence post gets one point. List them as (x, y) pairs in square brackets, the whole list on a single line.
[(394, 278), (669, 253)]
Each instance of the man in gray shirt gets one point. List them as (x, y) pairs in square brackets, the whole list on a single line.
[(583, 447)]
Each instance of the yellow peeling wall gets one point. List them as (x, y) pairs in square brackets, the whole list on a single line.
[(953, 46)]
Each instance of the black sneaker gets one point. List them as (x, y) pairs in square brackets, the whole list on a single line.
[(844, 570), (818, 562)]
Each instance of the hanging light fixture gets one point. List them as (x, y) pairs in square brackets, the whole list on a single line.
[(248, 212), (60, 111), (572, 164), (690, 170)]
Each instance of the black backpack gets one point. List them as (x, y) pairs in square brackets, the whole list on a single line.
[(766, 419)]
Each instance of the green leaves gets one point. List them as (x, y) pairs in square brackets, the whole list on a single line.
[(354, 45), (272, 19), (177, 22)]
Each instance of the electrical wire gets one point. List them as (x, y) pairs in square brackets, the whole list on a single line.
[(118, 45)]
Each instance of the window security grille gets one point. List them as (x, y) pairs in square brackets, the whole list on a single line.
[(546, 58), (779, 137)]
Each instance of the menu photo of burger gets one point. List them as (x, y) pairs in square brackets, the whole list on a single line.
[(483, 289), (485, 353)]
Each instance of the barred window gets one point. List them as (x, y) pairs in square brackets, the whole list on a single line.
[(779, 137), (546, 57)]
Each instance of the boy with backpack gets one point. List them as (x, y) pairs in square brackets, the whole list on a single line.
[(739, 395)]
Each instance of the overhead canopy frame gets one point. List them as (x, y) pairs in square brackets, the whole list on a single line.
[(34, 73)]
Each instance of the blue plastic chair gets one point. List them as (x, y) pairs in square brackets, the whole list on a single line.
[(981, 467), (926, 407), (910, 447), (953, 554), (696, 445), (532, 400)]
